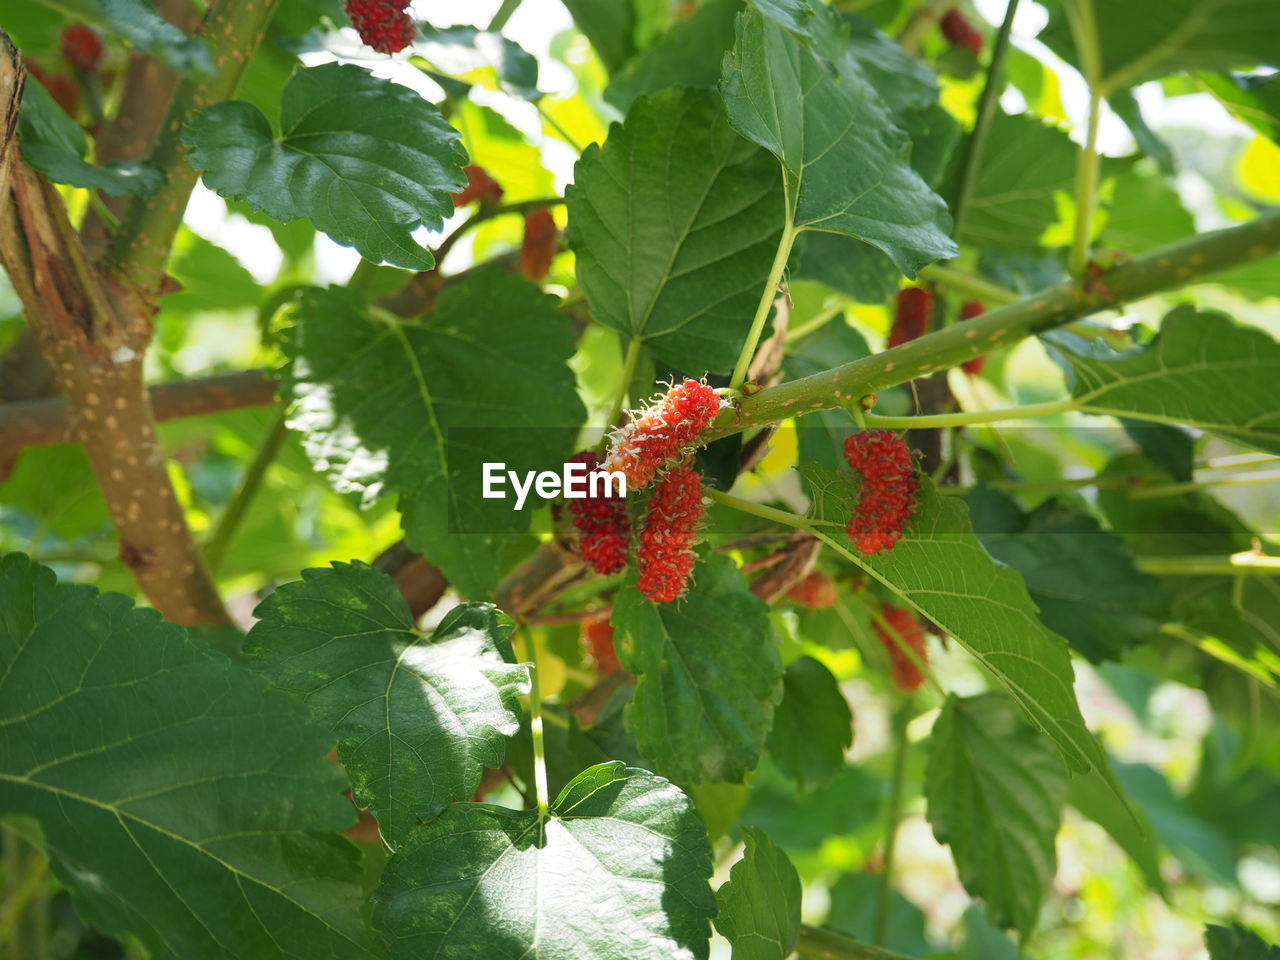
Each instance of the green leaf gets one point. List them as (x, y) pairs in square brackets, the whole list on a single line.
[(845, 163), (855, 906), (760, 902), (609, 25), (1237, 942), (940, 568), (138, 22), (1091, 796), (55, 145), (182, 799), (1012, 201), (1202, 370), (1204, 848), (617, 871), (675, 221), (366, 160), (417, 718), (1253, 99), (686, 55), (1145, 213), (211, 278), (1083, 578), (1139, 41), (709, 675), (383, 403), (812, 727), (995, 789), (464, 49)]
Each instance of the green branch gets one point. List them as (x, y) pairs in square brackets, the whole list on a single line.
[(1165, 269), (971, 418)]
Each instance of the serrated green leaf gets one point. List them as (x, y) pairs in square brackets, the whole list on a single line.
[(812, 727), (709, 675), (417, 718), (366, 160), (617, 871), (1237, 942), (760, 902), (55, 145), (940, 568), (675, 221), (378, 399), (845, 162), (995, 789), (1083, 578), (1201, 370), (1139, 41), (182, 799)]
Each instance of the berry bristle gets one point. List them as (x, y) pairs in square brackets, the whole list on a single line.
[(603, 524), (887, 498), (664, 431), (906, 675), (666, 556)]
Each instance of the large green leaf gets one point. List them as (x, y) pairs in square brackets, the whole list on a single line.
[(617, 871), (709, 675), (414, 407), (812, 727), (845, 162), (366, 160), (417, 718), (182, 798), (760, 902), (55, 145), (1202, 369), (1139, 41), (675, 221), (1237, 942), (995, 790), (940, 568), (1083, 578)]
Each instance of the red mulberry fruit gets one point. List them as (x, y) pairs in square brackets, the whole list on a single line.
[(539, 244), (82, 48), (480, 186), (664, 431), (970, 310), (817, 590), (911, 319), (666, 554), (888, 495), (597, 637), (906, 674), (382, 24), (603, 525), (959, 31)]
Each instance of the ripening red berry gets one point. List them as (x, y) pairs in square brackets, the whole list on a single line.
[(960, 32), (887, 497), (82, 48), (480, 186), (909, 630), (666, 429), (64, 90), (603, 524), (597, 637), (539, 244), (382, 24), (666, 556), (912, 317), (817, 590), (968, 311)]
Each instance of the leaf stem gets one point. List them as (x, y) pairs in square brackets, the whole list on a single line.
[(229, 523), (973, 417), (1195, 566), (901, 716), (535, 728), (819, 943), (629, 362), (499, 19), (767, 296), (1084, 32), (762, 511), (969, 283), (814, 324), (971, 161)]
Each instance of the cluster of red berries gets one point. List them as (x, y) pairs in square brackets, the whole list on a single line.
[(597, 636), (909, 632), (960, 32), (968, 311), (539, 244), (384, 25), (666, 430), (887, 498), (817, 591), (480, 186), (666, 556), (603, 525), (912, 317)]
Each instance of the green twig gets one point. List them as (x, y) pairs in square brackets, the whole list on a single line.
[(767, 296), (813, 324), (968, 283), (535, 728), (486, 212), (972, 418), (624, 386), (901, 716), (1084, 32), (1208, 566), (971, 160), (499, 19), (229, 523)]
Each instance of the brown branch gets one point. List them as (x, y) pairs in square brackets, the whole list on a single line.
[(35, 422), (420, 582)]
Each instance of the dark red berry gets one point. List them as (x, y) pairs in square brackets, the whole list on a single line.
[(970, 310), (960, 32), (539, 244), (887, 497), (666, 556), (912, 317), (909, 631), (82, 48), (817, 590), (480, 186), (597, 637), (382, 24), (603, 525)]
